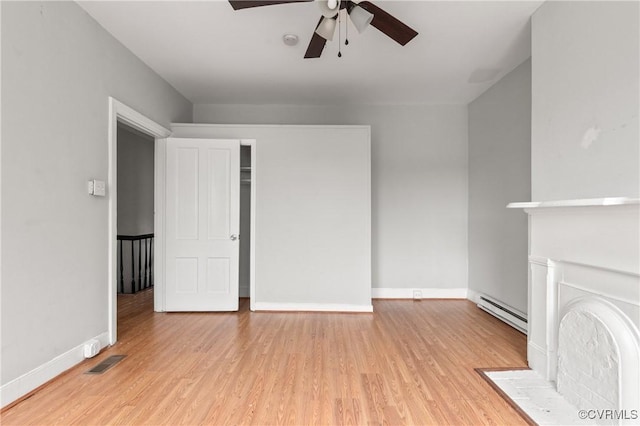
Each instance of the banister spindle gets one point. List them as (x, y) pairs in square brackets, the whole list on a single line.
[(146, 271), (133, 269), (121, 270), (139, 265), (151, 261)]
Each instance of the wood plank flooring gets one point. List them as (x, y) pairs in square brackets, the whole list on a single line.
[(408, 363)]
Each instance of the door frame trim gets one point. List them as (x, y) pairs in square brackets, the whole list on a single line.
[(119, 112), (159, 182)]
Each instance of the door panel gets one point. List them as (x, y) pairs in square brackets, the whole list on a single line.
[(186, 195), (187, 271), (203, 208), (217, 275), (218, 187)]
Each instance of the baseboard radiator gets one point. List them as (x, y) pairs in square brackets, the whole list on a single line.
[(504, 312)]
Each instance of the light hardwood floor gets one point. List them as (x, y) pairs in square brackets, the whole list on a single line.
[(408, 363)]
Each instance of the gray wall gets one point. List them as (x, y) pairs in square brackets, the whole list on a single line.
[(419, 183), (585, 100), (135, 182), (499, 173), (58, 69)]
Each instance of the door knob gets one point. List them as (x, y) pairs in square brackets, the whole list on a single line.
[(234, 237)]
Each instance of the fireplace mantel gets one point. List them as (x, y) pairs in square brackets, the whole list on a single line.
[(585, 202)]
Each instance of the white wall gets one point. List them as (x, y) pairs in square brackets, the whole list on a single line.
[(499, 173), (419, 184), (58, 69), (135, 182), (585, 140), (313, 214)]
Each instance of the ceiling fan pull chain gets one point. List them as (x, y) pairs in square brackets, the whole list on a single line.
[(339, 35), (346, 29)]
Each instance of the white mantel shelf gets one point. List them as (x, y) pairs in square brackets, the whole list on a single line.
[(586, 202)]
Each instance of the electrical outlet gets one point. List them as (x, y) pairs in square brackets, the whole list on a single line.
[(417, 295), (91, 348)]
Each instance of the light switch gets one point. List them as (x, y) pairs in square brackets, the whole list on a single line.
[(97, 188)]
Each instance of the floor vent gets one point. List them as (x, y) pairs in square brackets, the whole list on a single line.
[(506, 313), (106, 364)]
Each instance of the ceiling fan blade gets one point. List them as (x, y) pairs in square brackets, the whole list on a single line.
[(316, 45), (245, 4), (389, 25)]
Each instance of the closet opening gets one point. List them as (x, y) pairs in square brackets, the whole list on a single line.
[(245, 223)]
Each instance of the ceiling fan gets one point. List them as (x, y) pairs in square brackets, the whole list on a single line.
[(361, 15)]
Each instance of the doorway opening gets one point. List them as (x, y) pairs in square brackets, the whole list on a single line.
[(135, 222), (122, 117)]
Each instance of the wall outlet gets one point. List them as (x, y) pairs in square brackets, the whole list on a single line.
[(417, 295), (91, 348)]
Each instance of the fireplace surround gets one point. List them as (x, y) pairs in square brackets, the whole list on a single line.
[(584, 300)]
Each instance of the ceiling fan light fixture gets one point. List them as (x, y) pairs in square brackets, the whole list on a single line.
[(329, 8), (327, 28), (360, 18), (361, 13)]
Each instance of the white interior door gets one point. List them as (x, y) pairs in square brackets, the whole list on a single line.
[(202, 224)]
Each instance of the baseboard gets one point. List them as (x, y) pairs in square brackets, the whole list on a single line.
[(426, 293), (537, 360), (312, 307), (474, 296), (26, 383)]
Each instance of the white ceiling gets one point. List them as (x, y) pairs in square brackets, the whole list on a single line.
[(213, 54)]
